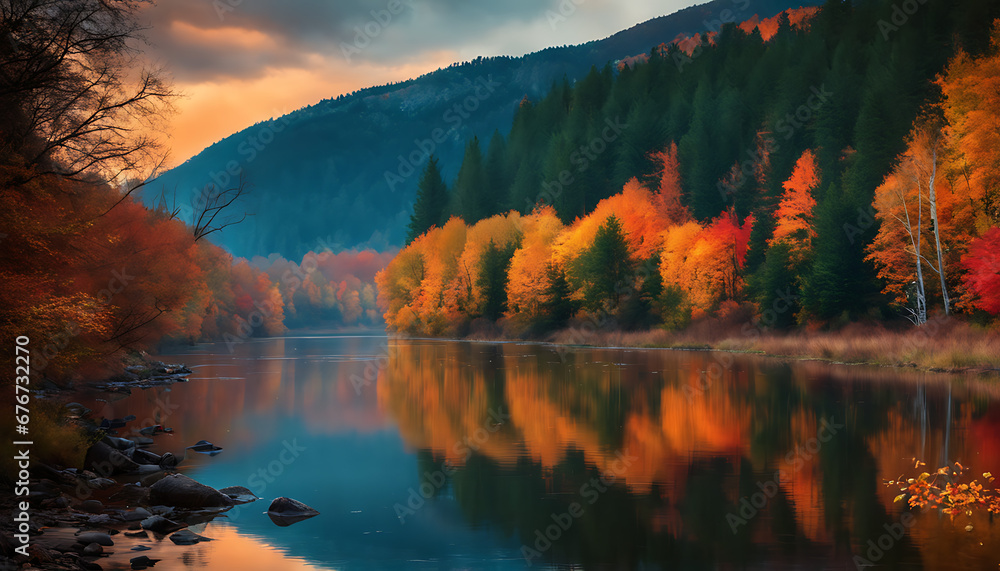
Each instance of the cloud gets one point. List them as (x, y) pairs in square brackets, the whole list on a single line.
[(240, 61), (201, 39)]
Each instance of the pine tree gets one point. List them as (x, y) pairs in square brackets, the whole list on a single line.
[(498, 177), (470, 186), (557, 306), (606, 269), (431, 202), (492, 279)]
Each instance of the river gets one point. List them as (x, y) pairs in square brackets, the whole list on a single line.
[(432, 454)]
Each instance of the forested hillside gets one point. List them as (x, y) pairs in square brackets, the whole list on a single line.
[(841, 168), (346, 169)]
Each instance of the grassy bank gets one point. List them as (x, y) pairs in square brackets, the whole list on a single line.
[(943, 344)]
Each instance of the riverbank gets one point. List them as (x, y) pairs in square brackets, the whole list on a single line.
[(944, 344), (91, 492)]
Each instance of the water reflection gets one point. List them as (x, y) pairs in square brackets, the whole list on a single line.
[(465, 455)]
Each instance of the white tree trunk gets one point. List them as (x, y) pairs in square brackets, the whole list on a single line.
[(937, 229)]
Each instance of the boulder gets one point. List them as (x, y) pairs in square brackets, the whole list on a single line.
[(180, 491), (131, 494), (286, 511), (95, 537), (107, 461), (142, 562), (168, 460), (205, 447), (136, 534), (146, 457), (101, 483), (91, 506), (118, 443), (93, 549), (161, 525), (187, 537)]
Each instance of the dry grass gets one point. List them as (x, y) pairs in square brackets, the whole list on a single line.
[(941, 345)]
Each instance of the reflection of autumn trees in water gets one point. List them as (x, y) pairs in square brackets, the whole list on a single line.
[(698, 451)]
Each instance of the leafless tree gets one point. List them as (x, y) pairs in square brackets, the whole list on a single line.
[(75, 96), (210, 207)]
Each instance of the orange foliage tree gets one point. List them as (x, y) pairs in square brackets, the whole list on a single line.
[(529, 267), (705, 262), (922, 216), (793, 218)]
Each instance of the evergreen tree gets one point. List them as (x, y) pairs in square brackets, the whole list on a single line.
[(470, 196), (492, 279), (558, 307), (431, 201), (606, 269), (498, 176)]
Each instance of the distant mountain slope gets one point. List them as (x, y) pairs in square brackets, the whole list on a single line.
[(343, 172)]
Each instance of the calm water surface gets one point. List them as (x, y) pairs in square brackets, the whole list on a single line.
[(425, 454)]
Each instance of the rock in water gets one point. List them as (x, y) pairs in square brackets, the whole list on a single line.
[(95, 537), (142, 562), (180, 491), (161, 525), (93, 549), (205, 447), (107, 461), (187, 537), (146, 457), (286, 511), (239, 494), (168, 460)]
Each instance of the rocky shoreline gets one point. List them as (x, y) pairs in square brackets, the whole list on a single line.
[(122, 492)]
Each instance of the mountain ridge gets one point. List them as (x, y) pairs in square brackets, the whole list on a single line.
[(346, 168)]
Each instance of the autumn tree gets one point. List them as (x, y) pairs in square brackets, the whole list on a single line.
[(793, 218), (705, 262), (919, 210), (531, 264), (982, 263), (971, 90), (667, 198)]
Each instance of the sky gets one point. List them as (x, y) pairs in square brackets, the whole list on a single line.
[(237, 62)]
